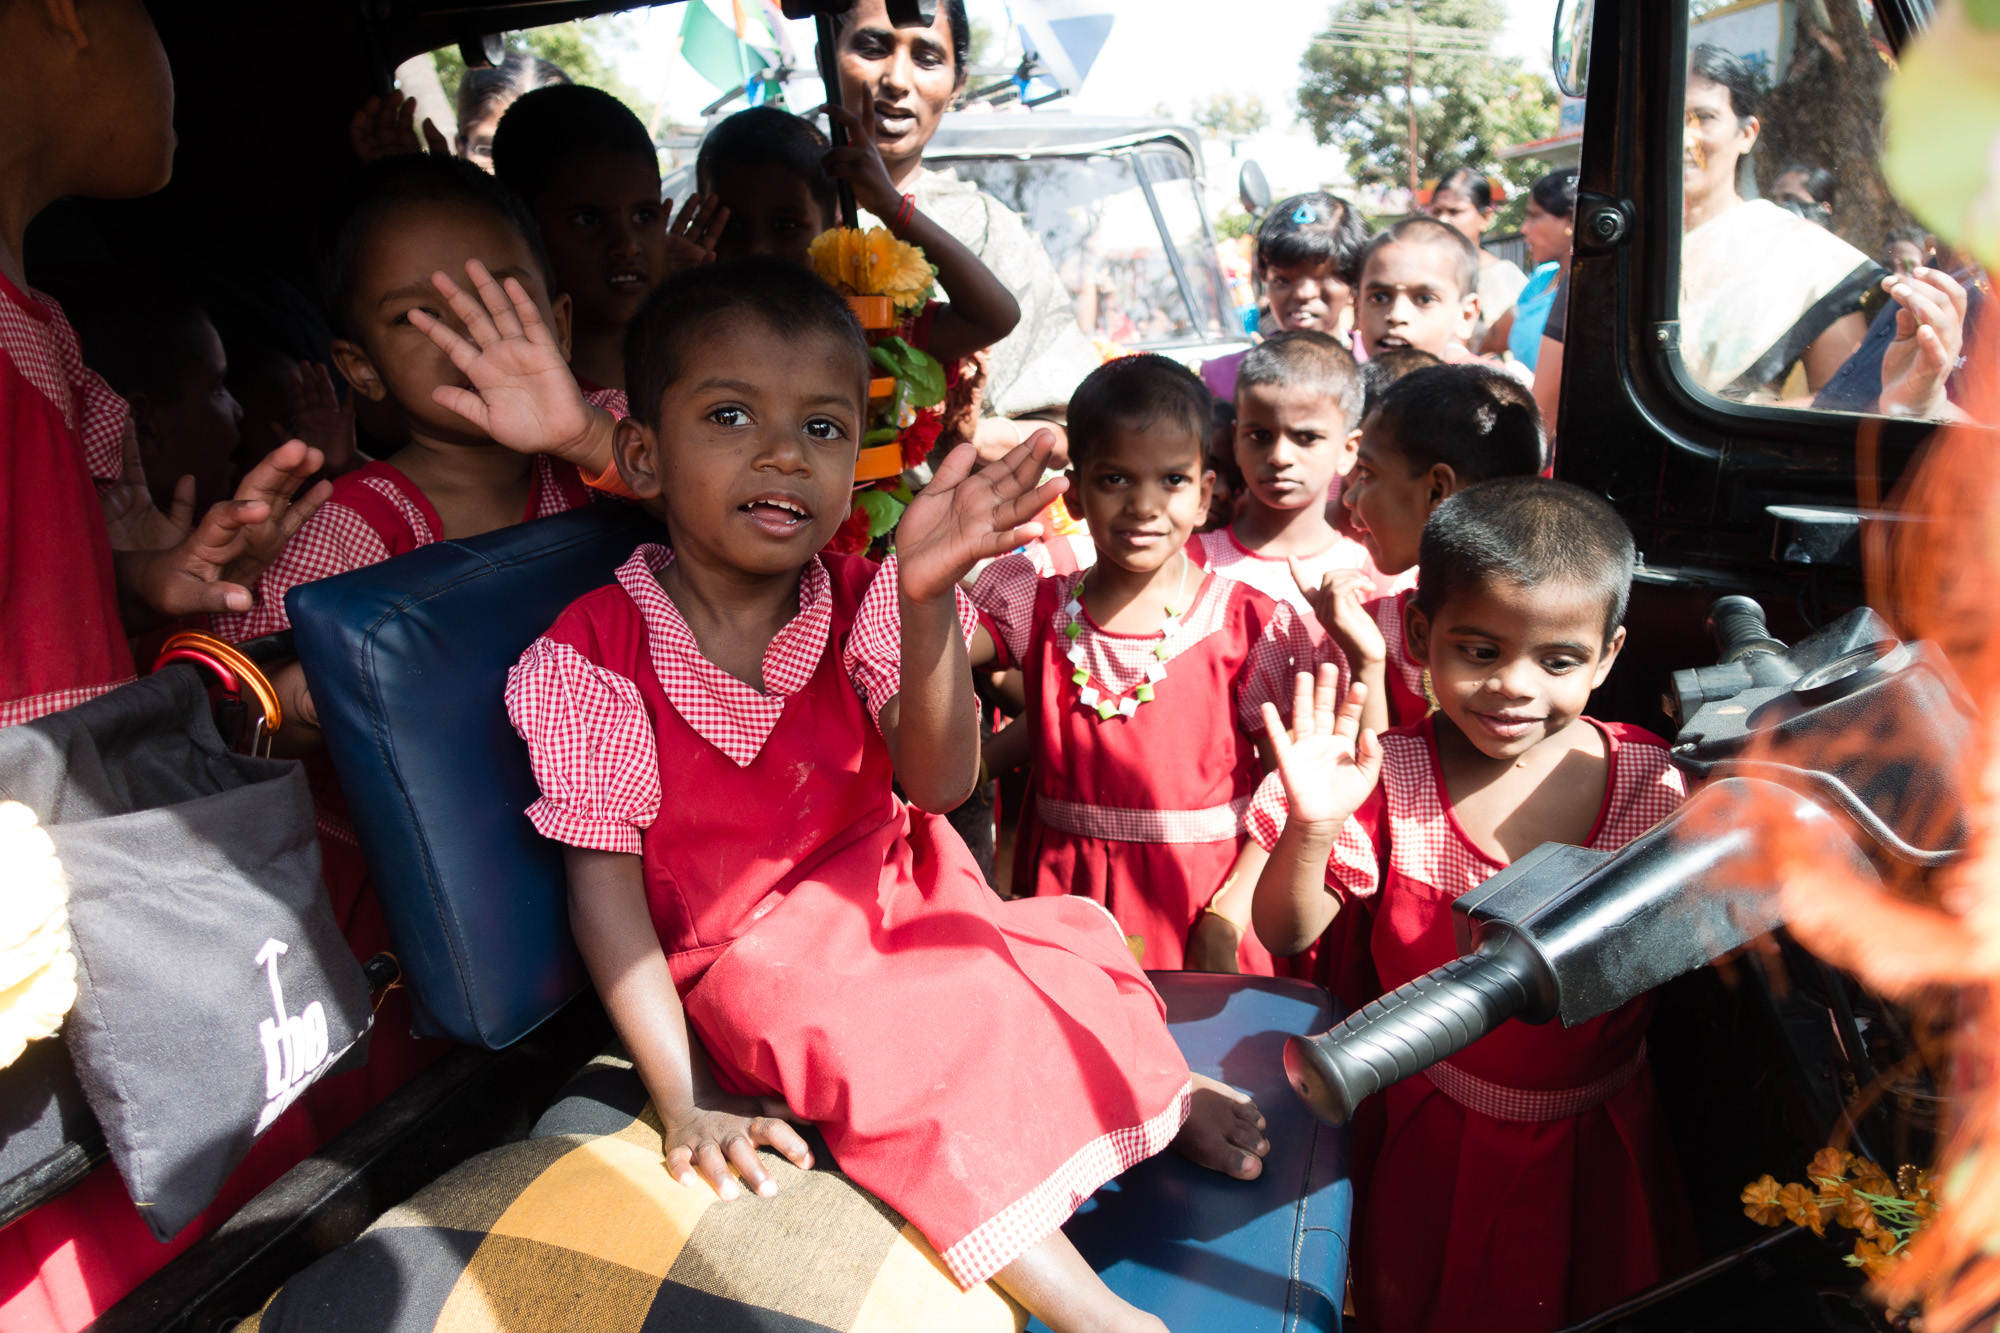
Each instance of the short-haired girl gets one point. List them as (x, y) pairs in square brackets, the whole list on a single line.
[(1309, 260), (1527, 1181), (776, 932)]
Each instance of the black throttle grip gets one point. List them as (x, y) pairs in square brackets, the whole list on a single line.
[(1740, 629), (1416, 1025)]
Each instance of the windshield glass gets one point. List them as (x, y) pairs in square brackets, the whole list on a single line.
[(1094, 217), (1789, 224)]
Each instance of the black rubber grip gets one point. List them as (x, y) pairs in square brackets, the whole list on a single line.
[(1739, 628), (1405, 1032)]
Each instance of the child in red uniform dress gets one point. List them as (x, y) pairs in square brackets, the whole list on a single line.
[(1527, 1181), (500, 452), (1298, 413), (716, 735), (1146, 676), (1432, 433)]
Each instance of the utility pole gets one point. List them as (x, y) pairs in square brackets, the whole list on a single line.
[(1410, 97)]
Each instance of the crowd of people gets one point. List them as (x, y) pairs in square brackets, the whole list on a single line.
[(1293, 649)]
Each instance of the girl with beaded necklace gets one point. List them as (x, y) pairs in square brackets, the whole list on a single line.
[(1145, 678)]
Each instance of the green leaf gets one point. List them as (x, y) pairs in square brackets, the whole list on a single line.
[(1943, 112), (880, 435), (918, 371), (882, 509)]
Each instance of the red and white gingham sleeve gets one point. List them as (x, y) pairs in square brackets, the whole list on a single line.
[(591, 745), (334, 540), (873, 653), (1005, 593), (1279, 653), (1353, 866)]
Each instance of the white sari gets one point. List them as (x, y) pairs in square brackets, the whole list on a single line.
[(1758, 285)]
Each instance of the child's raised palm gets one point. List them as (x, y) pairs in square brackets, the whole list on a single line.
[(523, 395), (964, 516), (1327, 763)]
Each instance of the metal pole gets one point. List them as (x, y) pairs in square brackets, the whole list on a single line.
[(829, 73)]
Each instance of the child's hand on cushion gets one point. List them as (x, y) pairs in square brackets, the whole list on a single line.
[(716, 1140), (1339, 602), (964, 517), (523, 395), (1327, 763)]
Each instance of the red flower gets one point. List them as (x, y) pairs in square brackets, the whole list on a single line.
[(919, 436), (852, 539)]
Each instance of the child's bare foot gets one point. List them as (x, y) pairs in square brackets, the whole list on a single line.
[(1224, 1131)]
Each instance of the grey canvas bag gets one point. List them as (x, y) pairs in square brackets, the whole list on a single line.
[(214, 984)]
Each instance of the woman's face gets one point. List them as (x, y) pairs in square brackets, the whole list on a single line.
[(1547, 234), (1455, 209), (899, 79)]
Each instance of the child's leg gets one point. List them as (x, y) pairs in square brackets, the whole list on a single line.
[(1224, 1131), (1057, 1287)]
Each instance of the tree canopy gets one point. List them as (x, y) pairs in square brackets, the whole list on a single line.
[(1468, 102), (582, 48)]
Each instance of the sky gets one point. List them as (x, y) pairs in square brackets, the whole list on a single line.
[(1149, 57)]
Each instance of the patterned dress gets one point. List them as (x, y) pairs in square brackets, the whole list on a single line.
[(980, 1066), (1528, 1181), (1143, 811)]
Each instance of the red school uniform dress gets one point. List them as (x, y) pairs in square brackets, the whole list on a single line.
[(1527, 1181), (980, 1066), (61, 431), (374, 513), (1403, 677), (1272, 575), (1138, 803)]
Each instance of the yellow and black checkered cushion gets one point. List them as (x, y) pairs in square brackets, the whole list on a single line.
[(587, 1232)]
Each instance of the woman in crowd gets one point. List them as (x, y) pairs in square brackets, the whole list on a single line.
[(1548, 228), (1463, 199), (904, 80)]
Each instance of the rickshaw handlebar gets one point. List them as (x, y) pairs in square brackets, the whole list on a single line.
[(1416, 1025)]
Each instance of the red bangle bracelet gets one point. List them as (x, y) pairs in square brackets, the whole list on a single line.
[(901, 222)]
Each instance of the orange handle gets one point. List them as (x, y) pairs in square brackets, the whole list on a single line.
[(879, 463), (237, 671)]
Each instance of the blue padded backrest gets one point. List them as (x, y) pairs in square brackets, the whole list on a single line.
[(407, 662)]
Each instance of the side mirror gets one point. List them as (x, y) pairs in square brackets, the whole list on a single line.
[(1569, 55), (1253, 189)]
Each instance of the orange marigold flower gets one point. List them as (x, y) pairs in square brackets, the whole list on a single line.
[(1871, 1178), (1829, 1164), (1760, 1202), (1802, 1207), (1852, 1211)]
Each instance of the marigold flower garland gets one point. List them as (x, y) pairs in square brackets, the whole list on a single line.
[(1855, 1193), (875, 263)]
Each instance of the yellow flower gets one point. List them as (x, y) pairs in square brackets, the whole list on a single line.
[(1760, 1202), (37, 969), (872, 263)]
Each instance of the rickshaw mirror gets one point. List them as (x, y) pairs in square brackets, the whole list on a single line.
[(483, 50), (1252, 189), (1570, 54)]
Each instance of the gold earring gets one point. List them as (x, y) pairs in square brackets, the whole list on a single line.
[(1430, 692)]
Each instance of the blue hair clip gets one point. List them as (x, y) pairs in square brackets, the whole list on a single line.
[(1304, 215)]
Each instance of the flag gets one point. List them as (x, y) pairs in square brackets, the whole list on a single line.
[(1065, 36), (715, 51)]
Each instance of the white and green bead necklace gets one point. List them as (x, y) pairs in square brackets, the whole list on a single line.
[(1105, 703)]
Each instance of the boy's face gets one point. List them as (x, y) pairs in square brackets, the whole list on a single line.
[(771, 212), (1143, 491), (1513, 666), (391, 358), (1291, 442), (1410, 298), (193, 429), (1307, 296), (752, 463), (606, 234), (1390, 504)]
